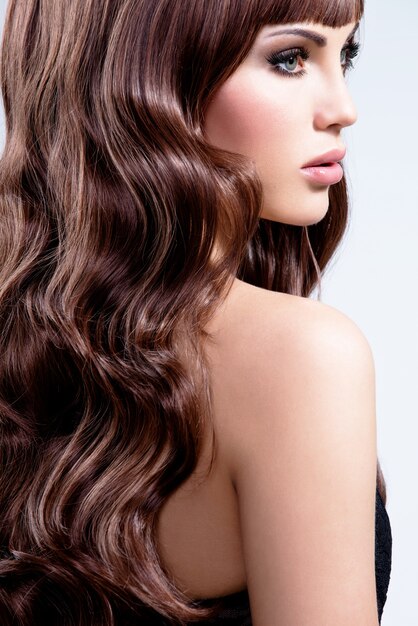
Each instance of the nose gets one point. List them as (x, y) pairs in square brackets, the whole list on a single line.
[(335, 106)]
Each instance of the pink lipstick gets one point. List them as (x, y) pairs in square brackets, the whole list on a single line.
[(325, 168)]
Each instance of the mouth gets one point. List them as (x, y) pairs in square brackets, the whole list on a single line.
[(328, 159), (327, 173), (323, 164)]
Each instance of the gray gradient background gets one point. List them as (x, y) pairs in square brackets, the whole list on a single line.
[(373, 278)]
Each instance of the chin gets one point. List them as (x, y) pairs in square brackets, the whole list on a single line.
[(300, 210), (299, 218)]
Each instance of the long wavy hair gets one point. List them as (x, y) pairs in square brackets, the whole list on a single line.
[(111, 201)]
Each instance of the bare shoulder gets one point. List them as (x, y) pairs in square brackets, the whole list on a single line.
[(295, 396), (279, 343), (287, 317)]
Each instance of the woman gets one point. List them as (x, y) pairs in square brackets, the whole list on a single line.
[(185, 433)]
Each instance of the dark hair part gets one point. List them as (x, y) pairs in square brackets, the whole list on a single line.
[(111, 200)]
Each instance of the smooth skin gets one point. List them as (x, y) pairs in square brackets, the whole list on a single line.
[(289, 509), (282, 122)]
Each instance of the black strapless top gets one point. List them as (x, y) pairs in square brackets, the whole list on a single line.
[(235, 609)]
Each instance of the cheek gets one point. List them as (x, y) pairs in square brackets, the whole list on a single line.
[(244, 120)]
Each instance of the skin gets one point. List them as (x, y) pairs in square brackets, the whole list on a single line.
[(282, 368), (281, 122)]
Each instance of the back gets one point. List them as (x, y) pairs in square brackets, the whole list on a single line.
[(294, 393)]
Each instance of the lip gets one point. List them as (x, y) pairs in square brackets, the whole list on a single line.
[(329, 157), (324, 174)]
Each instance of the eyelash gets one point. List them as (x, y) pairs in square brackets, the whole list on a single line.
[(352, 49)]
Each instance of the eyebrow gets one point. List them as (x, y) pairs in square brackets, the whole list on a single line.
[(320, 40)]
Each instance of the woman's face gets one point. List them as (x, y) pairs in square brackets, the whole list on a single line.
[(284, 106)]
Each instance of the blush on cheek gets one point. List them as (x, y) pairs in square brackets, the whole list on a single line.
[(235, 121)]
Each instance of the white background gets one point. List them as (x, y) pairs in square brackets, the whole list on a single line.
[(373, 278)]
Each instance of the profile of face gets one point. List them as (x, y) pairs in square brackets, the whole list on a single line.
[(285, 106)]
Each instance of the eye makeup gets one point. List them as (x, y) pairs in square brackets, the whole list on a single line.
[(278, 58)]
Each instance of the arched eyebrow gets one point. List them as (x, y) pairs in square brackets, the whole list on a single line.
[(320, 40)]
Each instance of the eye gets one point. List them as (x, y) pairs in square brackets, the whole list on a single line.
[(348, 53), (285, 62), (288, 59)]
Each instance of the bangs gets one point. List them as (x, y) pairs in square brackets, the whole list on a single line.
[(333, 13)]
